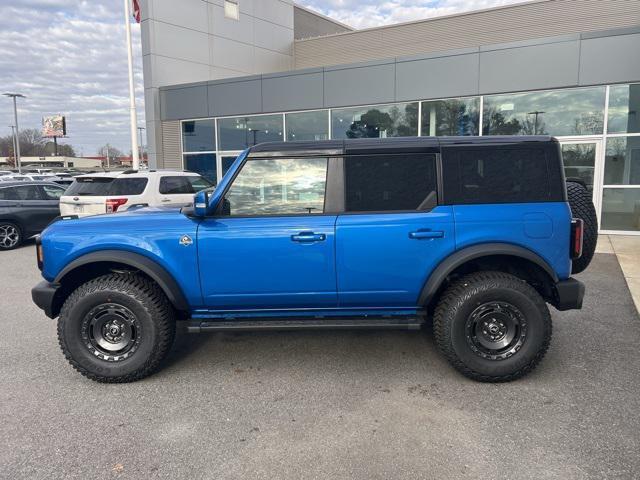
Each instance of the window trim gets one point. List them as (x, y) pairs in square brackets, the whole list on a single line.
[(330, 159)]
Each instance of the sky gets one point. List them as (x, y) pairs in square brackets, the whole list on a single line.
[(69, 57)]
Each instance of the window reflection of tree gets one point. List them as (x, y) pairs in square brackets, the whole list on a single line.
[(393, 121), (279, 186)]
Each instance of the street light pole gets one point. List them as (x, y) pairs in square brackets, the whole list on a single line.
[(13, 138), (17, 135), (140, 129)]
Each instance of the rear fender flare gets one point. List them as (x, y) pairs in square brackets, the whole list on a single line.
[(460, 257), (139, 262)]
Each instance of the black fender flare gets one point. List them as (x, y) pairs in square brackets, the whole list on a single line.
[(147, 266), (453, 261)]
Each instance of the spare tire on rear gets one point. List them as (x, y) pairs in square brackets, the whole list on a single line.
[(580, 201)]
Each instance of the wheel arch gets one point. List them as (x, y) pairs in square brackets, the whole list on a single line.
[(94, 264), (488, 253)]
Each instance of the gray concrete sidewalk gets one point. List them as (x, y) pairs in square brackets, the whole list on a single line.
[(627, 250)]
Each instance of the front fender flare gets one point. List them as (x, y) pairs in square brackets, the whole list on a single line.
[(149, 267), (460, 257)]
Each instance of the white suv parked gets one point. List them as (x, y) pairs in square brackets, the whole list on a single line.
[(109, 192)]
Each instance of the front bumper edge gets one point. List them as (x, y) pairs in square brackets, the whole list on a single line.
[(43, 295)]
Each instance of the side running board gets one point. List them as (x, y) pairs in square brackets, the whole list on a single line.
[(412, 323)]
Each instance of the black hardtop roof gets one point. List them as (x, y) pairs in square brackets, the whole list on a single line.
[(381, 145)]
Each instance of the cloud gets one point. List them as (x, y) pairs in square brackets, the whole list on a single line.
[(372, 13), (69, 57)]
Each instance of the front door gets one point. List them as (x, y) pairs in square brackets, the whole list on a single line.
[(584, 159), (272, 247)]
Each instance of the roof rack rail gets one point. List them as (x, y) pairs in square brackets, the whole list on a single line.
[(126, 172)]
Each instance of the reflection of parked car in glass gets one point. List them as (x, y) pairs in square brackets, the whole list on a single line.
[(109, 192), (26, 208)]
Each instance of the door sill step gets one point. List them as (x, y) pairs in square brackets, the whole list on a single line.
[(413, 323)]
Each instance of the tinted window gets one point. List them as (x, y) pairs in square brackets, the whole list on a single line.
[(495, 175), (390, 182), (52, 193), (7, 194), (26, 192), (281, 186), (128, 186), (457, 116), (198, 136), (182, 184), (90, 186)]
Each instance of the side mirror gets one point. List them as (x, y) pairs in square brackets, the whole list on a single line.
[(201, 203)]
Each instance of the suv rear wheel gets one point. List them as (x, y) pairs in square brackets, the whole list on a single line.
[(492, 326), (116, 328)]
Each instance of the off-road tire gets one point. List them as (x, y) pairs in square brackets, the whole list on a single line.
[(153, 314), (580, 201), (16, 228), (462, 299)]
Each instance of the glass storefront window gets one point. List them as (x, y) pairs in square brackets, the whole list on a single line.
[(241, 132), (622, 161), (308, 125), (579, 161), (621, 209), (227, 161), (457, 116), (399, 120), (198, 136), (202, 163), (624, 109), (578, 111)]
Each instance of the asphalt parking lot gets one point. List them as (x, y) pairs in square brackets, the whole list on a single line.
[(324, 404)]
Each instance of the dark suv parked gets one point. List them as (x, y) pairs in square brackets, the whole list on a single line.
[(474, 234), (26, 208)]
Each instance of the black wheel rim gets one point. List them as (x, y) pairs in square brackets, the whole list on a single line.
[(111, 332), (496, 330), (9, 236)]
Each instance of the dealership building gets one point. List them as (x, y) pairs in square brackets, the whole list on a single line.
[(222, 75)]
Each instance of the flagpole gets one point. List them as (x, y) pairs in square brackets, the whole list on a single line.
[(135, 163)]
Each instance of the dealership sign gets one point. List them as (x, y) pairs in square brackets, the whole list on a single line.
[(54, 126)]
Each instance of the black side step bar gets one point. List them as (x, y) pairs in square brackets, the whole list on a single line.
[(411, 323)]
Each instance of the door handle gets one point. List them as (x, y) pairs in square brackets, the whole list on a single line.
[(308, 237), (423, 234), (165, 200)]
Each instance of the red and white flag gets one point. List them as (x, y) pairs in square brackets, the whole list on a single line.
[(136, 10)]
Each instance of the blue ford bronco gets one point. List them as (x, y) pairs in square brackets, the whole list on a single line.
[(472, 235)]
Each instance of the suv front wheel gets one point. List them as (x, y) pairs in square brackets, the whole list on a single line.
[(116, 328), (492, 326)]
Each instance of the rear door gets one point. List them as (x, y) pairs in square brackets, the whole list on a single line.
[(393, 232), (51, 195), (32, 207)]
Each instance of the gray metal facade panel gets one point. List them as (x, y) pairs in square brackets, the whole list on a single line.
[(527, 68), (499, 25), (440, 77), (361, 85), (171, 148), (242, 97), (182, 103), (293, 92), (610, 59)]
